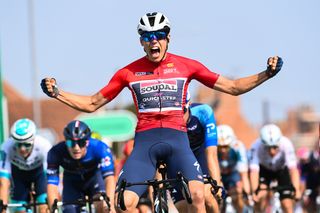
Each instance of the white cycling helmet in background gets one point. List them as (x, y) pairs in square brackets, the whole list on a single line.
[(225, 135), (153, 22), (270, 135), (23, 131)]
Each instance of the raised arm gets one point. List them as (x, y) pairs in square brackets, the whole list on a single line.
[(78, 102), (243, 85)]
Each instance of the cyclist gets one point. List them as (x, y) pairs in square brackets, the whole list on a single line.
[(144, 204), (202, 134), (310, 173), (273, 159), (88, 168), (233, 165), (23, 163), (126, 151), (158, 82)]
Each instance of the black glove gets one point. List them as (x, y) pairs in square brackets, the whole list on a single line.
[(271, 72), (44, 88)]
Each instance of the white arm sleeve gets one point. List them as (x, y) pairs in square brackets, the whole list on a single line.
[(5, 161), (242, 164), (254, 158), (290, 156), (45, 146)]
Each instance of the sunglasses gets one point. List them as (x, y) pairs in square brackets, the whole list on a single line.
[(223, 147), (71, 143), (25, 145), (273, 147), (149, 36)]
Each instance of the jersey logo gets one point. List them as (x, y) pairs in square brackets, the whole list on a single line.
[(197, 165), (52, 171), (191, 128), (143, 73), (170, 64), (210, 127), (105, 162), (154, 86)]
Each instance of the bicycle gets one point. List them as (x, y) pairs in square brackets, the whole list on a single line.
[(275, 189), (313, 203), (160, 188), (30, 207), (84, 203), (214, 186)]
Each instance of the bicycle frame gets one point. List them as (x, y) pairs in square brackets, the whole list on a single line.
[(86, 201), (159, 192)]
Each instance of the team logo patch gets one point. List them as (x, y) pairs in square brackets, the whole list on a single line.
[(154, 86), (170, 64), (106, 161), (143, 73)]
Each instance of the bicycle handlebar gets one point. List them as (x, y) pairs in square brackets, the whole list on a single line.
[(82, 201), (25, 205), (215, 187), (156, 185), (275, 188)]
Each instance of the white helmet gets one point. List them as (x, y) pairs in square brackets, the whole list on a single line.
[(153, 22), (270, 135), (225, 135), (23, 130)]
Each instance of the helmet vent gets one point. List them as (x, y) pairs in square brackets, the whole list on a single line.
[(142, 22), (162, 19), (151, 20)]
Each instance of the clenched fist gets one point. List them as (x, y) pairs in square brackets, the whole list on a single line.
[(274, 65), (49, 87)]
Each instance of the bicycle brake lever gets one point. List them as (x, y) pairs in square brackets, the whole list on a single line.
[(121, 203)]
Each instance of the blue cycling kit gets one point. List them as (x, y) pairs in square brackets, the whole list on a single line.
[(201, 127), (228, 167), (202, 133), (83, 176)]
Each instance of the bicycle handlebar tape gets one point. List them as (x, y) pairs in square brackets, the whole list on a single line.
[(271, 73)]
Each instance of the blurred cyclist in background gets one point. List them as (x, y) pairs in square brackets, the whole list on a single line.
[(310, 173), (303, 155), (202, 134), (273, 159), (88, 168), (158, 83), (233, 165), (126, 151), (144, 204), (23, 163)]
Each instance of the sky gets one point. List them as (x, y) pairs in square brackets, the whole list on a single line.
[(82, 44)]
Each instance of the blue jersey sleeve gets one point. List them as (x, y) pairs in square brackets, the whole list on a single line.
[(53, 165), (106, 159), (207, 120)]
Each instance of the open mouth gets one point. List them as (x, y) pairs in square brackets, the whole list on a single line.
[(155, 50)]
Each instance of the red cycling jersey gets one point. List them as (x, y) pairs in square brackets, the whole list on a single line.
[(159, 89)]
